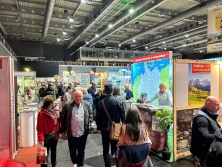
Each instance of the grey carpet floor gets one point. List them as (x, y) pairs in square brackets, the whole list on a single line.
[(94, 158)]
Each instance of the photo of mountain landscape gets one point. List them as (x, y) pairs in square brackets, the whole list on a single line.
[(198, 87)]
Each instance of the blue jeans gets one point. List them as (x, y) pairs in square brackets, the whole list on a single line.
[(106, 140), (77, 149), (52, 145)]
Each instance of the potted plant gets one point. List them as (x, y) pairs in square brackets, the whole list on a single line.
[(165, 117)]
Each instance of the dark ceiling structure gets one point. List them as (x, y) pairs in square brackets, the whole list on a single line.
[(151, 25)]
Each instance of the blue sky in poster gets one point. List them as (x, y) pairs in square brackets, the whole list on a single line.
[(201, 76)]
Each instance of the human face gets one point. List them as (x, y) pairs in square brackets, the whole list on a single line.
[(162, 88), (214, 106), (94, 86), (78, 95)]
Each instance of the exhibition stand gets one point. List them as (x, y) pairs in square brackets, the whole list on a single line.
[(8, 148), (191, 84)]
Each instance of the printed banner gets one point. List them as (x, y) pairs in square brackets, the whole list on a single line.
[(214, 35), (201, 68), (151, 57), (198, 83)]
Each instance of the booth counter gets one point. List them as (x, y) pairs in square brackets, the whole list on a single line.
[(155, 133), (28, 122)]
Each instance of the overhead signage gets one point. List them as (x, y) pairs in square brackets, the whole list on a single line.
[(201, 68), (155, 56), (214, 33)]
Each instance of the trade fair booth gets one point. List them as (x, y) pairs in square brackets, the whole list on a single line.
[(189, 81), (7, 111)]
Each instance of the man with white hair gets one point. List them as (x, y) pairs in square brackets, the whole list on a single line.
[(164, 96), (203, 128)]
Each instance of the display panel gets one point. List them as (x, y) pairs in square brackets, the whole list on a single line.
[(148, 75)]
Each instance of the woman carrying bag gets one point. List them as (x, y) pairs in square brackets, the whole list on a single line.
[(48, 126)]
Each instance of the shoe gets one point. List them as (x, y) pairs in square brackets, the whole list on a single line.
[(74, 165), (112, 155)]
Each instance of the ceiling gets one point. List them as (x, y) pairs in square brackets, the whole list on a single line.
[(155, 25)]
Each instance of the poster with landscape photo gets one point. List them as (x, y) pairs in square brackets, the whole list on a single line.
[(198, 83)]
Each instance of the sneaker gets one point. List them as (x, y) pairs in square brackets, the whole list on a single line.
[(112, 155), (74, 165)]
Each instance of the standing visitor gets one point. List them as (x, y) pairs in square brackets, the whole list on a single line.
[(75, 122), (48, 125), (203, 128), (117, 115)]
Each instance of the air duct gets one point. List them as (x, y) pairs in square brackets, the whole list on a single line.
[(49, 12)]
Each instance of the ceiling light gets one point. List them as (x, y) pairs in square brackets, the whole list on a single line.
[(119, 45), (186, 35), (164, 42), (64, 33), (58, 39), (87, 42), (134, 40), (71, 19), (165, 48), (184, 44), (131, 10), (97, 35), (83, 1), (110, 25), (146, 47)]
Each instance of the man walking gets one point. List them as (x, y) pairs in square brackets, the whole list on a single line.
[(117, 113), (75, 122), (203, 128)]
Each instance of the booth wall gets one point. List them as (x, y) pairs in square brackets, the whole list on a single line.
[(42, 69)]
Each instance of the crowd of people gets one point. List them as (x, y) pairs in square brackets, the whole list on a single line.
[(80, 108)]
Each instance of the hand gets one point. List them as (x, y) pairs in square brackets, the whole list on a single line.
[(99, 131), (147, 101), (63, 134), (41, 142)]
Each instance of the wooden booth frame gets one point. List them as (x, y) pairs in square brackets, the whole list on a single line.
[(191, 110)]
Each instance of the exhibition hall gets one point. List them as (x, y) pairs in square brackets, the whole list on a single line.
[(114, 83)]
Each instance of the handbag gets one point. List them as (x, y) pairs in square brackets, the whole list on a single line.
[(49, 137), (114, 128)]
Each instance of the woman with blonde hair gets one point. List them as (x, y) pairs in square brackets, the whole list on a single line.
[(48, 126), (134, 140)]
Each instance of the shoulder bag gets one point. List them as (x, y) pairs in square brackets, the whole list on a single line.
[(114, 128)]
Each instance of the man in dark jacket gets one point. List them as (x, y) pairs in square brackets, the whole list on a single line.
[(75, 122), (214, 154), (203, 128), (117, 114)]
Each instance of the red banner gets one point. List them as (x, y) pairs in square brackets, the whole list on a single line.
[(0, 63), (201, 68), (151, 57)]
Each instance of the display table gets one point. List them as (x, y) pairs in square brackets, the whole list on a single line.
[(156, 135), (28, 121)]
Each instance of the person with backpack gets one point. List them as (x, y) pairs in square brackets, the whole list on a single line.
[(203, 128)]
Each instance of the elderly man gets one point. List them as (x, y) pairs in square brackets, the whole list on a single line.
[(203, 128), (164, 96), (75, 122)]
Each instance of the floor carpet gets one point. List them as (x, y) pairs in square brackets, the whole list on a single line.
[(27, 154)]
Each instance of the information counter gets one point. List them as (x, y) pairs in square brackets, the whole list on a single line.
[(28, 121), (155, 133)]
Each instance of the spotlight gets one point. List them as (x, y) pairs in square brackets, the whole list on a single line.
[(58, 39), (97, 35), (71, 19), (64, 33), (134, 40), (131, 10), (110, 25)]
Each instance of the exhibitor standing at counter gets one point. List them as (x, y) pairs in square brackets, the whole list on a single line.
[(164, 96)]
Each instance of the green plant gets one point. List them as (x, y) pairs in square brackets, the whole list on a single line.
[(165, 117)]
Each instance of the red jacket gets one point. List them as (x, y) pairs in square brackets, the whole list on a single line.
[(46, 124)]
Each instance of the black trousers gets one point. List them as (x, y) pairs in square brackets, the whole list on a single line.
[(106, 140), (51, 145), (77, 149)]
